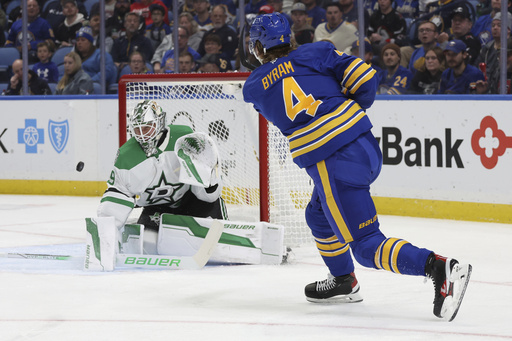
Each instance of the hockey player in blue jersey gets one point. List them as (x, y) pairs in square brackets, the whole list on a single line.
[(317, 97)]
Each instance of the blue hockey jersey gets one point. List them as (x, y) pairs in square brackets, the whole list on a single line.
[(316, 96)]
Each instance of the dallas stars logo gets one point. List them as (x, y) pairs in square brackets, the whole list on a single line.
[(163, 191)]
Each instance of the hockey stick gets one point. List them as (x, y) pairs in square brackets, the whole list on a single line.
[(196, 261), (37, 256)]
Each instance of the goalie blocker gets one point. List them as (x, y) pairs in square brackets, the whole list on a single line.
[(182, 243)]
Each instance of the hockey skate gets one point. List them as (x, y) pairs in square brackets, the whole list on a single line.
[(341, 289), (450, 281)]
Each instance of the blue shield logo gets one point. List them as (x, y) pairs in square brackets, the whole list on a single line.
[(59, 133)]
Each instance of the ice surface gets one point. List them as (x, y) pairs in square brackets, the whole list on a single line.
[(56, 300)]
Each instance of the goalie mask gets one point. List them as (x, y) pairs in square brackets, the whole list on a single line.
[(147, 123)]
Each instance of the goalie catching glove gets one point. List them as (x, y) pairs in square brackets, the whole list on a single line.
[(199, 160)]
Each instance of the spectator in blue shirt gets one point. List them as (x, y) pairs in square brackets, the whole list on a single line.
[(45, 68), (458, 78), (91, 57), (167, 64), (157, 31), (394, 79), (38, 29), (316, 14)]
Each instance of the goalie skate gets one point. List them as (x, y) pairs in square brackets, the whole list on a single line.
[(341, 289)]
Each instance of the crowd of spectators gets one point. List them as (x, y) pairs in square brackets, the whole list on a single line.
[(416, 46)]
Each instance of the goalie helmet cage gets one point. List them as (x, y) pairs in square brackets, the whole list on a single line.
[(261, 182)]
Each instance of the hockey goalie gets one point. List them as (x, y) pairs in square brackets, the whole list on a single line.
[(173, 174)]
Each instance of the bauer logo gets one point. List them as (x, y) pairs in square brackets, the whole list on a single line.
[(489, 142), (153, 261), (59, 133), (31, 136)]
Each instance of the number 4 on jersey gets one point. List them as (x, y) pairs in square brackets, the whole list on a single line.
[(291, 90)]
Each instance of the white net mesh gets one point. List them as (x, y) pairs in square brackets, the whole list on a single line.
[(217, 108)]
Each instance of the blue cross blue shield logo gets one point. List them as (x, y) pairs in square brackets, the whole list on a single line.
[(31, 136), (59, 133)]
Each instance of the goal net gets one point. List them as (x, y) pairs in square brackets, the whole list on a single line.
[(261, 182)]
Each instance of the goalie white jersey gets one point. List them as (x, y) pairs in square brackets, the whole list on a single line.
[(159, 179)]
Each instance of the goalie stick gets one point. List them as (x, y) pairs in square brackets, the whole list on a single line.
[(194, 262)]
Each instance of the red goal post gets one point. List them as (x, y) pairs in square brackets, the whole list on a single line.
[(260, 180)]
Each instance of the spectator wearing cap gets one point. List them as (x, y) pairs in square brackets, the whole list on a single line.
[(440, 12), (350, 15), (54, 14), (142, 9), (427, 35), (95, 23), (202, 17), (427, 79), (482, 26), (167, 63), (459, 77), (213, 63), (490, 52), (461, 30), (339, 32), (492, 85), (386, 26), (228, 36), (131, 41), (38, 29), (316, 14), (66, 32), (394, 79), (304, 33), (368, 53), (266, 9), (157, 31), (91, 59)]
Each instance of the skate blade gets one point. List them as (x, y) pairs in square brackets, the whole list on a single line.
[(351, 298), (460, 279)]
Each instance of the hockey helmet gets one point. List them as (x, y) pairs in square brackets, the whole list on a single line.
[(147, 123), (270, 30)]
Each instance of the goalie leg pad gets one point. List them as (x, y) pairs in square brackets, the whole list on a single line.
[(241, 242), (131, 239), (100, 244)]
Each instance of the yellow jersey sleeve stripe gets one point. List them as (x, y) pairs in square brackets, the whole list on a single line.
[(329, 137), (320, 121), (321, 129), (352, 78), (363, 80)]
